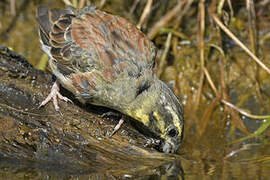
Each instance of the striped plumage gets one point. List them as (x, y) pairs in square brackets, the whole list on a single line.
[(105, 60)]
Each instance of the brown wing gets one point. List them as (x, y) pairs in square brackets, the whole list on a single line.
[(90, 49), (54, 25), (112, 41), (92, 39)]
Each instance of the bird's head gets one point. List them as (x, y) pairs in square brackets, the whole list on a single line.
[(160, 114)]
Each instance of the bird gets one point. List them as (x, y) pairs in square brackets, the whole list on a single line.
[(104, 60)]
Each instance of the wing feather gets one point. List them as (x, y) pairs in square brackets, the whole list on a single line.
[(90, 41)]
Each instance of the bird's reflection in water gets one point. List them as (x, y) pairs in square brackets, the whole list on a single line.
[(172, 170)]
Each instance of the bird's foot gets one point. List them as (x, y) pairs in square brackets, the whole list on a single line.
[(54, 94)]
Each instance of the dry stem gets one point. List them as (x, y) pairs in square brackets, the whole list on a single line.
[(145, 14), (231, 35)]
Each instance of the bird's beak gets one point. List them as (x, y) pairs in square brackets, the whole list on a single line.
[(169, 146)]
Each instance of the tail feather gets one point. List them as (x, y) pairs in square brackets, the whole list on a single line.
[(44, 24), (48, 17)]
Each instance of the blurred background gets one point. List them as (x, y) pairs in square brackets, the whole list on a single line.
[(213, 54)]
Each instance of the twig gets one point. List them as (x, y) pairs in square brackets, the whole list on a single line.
[(133, 7), (102, 3), (207, 114), (228, 103), (237, 121), (218, 48), (81, 4), (252, 25), (231, 105), (245, 113), (145, 13), (265, 38), (67, 2), (174, 32), (259, 131), (201, 49), (231, 35), (230, 7), (243, 148), (211, 82), (164, 55), (165, 19), (220, 6), (13, 7)]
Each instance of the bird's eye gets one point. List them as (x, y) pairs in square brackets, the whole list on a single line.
[(172, 132)]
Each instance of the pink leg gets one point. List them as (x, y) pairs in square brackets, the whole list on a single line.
[(54, 94)]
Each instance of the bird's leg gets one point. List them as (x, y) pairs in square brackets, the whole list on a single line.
[(54, 94), (117, 127)]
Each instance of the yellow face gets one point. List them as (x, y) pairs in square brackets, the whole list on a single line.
[(167, 122), (163, 117)]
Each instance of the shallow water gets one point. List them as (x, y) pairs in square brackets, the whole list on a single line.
[(206, 153)]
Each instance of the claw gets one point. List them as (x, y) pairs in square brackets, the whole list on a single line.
[(64, 98), (120, 122), (54, 94), (117, 127)]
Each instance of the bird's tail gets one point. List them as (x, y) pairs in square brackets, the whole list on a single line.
[(53, 24)]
